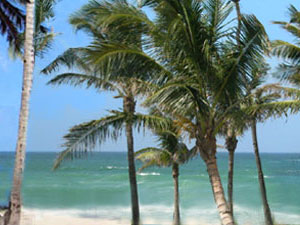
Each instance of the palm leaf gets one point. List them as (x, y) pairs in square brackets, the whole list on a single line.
[(84, 137)]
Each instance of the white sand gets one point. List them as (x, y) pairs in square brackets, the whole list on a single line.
[(65, 217), (58, 217)]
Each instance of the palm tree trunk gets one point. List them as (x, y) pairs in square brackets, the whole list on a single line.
[(15, 197), (230, 182), (217, 188), (231, 143), (263, 192), (175, 173), (129, 107)]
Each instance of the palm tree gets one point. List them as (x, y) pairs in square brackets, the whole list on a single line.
[(15, 197), (124, 78), (209, 118), (27, 48), (270, 100), (195, 63), (86, 136), (172, 152), (259, 99)]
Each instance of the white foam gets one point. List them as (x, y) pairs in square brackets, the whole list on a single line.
[(116, 167), (150, 214), (149, 174)]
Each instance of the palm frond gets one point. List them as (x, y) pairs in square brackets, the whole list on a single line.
[(286, 50), (70, 58), (83, 138), (76, 79), (12, 21), (273, 109), (43, 36)]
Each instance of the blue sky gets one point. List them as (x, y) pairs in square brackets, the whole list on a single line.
[(53, 110)]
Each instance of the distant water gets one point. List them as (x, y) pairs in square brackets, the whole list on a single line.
[(98, 186)]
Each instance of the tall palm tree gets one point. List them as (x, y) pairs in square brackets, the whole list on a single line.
[(86, 136), (27, 48), (259, 99), (15, 197), (121, 77), (172, 152), (188, 47), (270, 100), (209, 118)]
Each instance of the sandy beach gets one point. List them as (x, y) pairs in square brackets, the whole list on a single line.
[(66, 217), (44, 217)]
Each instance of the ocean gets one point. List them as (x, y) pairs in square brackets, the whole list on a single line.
[(97, 186)]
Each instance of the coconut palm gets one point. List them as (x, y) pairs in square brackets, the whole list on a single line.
[(259, 99), (270, 100), (211, 110), (189, 49), (26, 47), (85, 136), (289, 70), (15, 197), (124, 78), (172, 153)]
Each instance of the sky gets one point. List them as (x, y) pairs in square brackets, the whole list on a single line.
[(53, 110)]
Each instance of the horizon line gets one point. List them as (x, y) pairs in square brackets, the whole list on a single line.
[(91, 152)]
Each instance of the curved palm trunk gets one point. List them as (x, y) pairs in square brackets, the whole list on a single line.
[(15, 197), (129, 107), (231, 143), (263, 192), (217, 188), (175, 174), (207, 146)]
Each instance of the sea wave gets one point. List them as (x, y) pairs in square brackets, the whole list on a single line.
[(149, 174), (116, 167), (162, 214)]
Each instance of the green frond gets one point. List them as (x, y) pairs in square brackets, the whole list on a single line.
[(151, 121), (84, 137), (43, 36), (286, 50), (153, 157), (290, 52), (284, 92), (148, 164), (273, 109), (112, 59), (70, 58), (76, 79)]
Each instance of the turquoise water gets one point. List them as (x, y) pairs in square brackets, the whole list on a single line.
[(99, 185)]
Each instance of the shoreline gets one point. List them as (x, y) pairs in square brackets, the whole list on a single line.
[(32, 216)]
